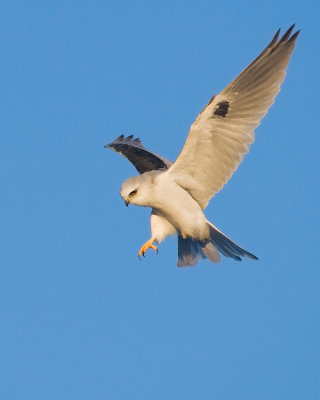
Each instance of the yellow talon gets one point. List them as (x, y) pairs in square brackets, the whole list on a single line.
[(146, 246)]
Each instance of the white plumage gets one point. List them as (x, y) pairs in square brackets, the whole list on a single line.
[(217, 141)]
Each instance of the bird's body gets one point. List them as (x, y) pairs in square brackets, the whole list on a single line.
[(165, 196), (178, 192)]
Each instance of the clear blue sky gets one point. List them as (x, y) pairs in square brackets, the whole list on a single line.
[(80, 316)]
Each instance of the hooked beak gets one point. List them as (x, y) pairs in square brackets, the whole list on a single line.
[(127, 202)]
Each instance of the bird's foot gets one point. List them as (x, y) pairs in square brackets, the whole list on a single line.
[(146, 246)]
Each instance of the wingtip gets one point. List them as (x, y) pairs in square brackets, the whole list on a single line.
[(287, 34), (274, 39), (276, 36), (117, 140), (294, 36), (284, 39)]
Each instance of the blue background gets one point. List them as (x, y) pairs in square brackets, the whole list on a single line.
[(80, 316)]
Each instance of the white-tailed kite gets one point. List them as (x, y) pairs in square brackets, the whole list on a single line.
[(218, 139)]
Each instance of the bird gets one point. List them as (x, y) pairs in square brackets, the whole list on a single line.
[(178, 192)]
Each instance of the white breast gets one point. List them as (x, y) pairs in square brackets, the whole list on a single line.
[(177, 206)]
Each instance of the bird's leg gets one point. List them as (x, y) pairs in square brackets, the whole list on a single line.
[(184, 236), (146, 246)]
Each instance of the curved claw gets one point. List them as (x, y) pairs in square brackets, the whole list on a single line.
[(146, 246)]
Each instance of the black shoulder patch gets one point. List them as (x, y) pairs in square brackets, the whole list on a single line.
[(221, 109)]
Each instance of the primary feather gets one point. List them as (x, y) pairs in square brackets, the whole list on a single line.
[(143, 159), (224, 130)]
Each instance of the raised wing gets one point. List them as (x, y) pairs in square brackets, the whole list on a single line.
[(140, 157), (222, 133)]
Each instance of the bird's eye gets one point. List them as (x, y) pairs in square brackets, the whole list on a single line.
[(134, 192)]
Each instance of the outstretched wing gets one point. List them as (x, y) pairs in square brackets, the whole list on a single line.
[(222, 133), (140, 157)]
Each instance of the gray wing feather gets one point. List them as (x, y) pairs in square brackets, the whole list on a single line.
[(224, 130), (141, 158)]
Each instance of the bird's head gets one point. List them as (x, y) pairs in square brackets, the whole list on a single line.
[(137, 190)]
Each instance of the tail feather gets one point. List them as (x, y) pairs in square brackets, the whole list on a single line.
[(227, 247), (210, 251), (191, 250)]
